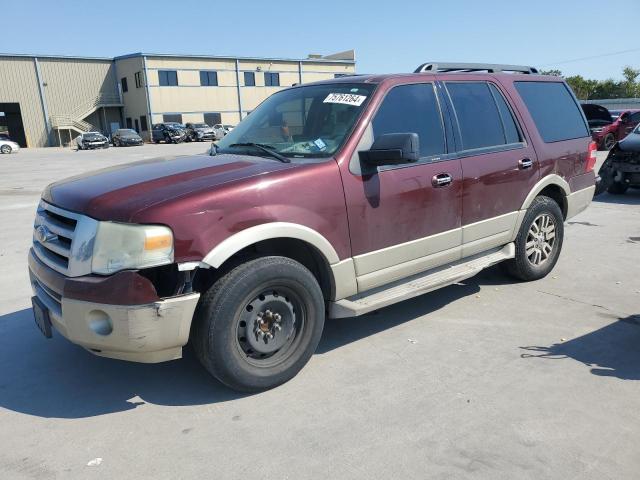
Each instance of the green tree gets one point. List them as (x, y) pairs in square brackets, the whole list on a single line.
[(631, 85), (556, 73)]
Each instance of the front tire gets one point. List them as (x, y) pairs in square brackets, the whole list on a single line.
[(539, 241), (259, 324)]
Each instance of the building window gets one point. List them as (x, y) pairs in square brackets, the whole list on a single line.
[(128, 121), (168, 78), (123, 83), (172, 117), (271, 79), (208, 78), (212, 119), (143, 124), (340, 75), (138, 78), (249, 79), (137, 125)]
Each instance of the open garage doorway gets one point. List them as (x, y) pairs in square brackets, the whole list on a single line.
[(11, 123)]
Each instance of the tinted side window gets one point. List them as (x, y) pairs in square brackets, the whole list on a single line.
[(412, 109), (511, 132), (554, 111), (477, 114)]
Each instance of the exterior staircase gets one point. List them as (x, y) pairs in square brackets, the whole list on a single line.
[(75, 119)]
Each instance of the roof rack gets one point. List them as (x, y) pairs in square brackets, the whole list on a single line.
[(435, 67)]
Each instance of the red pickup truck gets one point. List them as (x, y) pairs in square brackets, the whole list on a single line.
[(334, 199)]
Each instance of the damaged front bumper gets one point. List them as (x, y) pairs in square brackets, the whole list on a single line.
[(119, 316)]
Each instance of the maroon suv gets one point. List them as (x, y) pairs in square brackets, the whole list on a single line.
[(334, 198)]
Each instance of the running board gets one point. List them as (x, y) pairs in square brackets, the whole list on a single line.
[(418, 284)]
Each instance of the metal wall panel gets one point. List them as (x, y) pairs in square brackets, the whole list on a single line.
[(18, 84), (72, 83)]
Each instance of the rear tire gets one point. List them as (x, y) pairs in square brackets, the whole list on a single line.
[(539, 241), (259, 324), (6, 149)]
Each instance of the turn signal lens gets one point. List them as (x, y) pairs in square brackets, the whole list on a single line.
[(157, 241)]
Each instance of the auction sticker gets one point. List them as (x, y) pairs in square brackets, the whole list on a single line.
[(345, 98)]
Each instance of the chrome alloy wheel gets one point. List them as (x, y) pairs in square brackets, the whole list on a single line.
[(541, 239)]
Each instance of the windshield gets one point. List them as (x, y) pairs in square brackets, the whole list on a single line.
[(174, 125), (92, 136), (201, 125), (127, 132), (308, 121)]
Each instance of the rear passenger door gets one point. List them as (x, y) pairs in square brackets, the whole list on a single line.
[(499, 165)]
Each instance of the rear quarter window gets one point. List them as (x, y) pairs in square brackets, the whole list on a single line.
[(554, 111)]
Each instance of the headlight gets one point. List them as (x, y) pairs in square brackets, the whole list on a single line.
[(120, 246), (597, 129)]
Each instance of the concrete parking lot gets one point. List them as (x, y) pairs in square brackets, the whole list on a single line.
[(489, 379)]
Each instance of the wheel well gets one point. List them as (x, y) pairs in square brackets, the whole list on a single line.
[(556, 193), (292, 248)]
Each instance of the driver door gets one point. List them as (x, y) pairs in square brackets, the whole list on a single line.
[(402, 220)]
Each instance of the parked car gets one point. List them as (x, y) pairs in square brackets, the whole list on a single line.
[(126, 137), (371, 190), (199, 132), (91, 141), (606, 129), (222, 130), (168, 132), (621, 169), (8, 146)]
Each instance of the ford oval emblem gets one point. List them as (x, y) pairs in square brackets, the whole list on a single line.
[(44, 235)]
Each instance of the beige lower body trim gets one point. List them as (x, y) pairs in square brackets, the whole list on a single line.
[(579, 201), (142, 333), (344, 279), (393, 263)]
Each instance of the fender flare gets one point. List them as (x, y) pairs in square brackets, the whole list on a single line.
[(552, 179), (267, 231)]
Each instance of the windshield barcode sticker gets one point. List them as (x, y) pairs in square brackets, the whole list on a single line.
[(345, 98)]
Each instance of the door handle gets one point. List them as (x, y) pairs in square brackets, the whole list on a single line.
[(525, 163), (441, 180)]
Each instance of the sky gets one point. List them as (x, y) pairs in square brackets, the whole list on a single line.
[(389, 36)]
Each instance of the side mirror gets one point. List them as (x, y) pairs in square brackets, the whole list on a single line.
[(392, 149)]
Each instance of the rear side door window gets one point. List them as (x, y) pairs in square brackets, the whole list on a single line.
[(554, 110), (413, 109), (483, 116)]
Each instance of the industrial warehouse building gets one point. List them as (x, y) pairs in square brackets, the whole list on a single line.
[(49, 100)]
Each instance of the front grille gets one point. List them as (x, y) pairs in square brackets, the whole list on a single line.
[(56, 242)]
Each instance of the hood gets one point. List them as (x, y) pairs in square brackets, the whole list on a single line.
[(119, 192), (631, 143), (596, 113)]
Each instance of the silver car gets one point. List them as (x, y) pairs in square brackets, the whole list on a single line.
[(8, 146)]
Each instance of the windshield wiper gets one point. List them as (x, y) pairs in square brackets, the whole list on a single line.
[(265, 148)]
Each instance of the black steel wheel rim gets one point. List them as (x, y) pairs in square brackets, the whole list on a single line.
[(269, 326)]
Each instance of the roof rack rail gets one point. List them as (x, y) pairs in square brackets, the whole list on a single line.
[(435, 67)]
